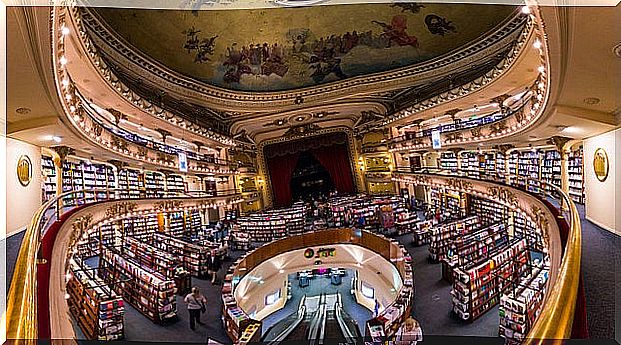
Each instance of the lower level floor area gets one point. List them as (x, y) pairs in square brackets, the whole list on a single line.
[(432, 306)]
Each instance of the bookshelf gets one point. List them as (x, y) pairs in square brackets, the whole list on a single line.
[(501, 165), (97, 309), (472, 164), (146, 290), (72, 181), (448, 161), (551, 169), (475, 246), (576, 178), (489, 167), (529, 164), (150, 257), (194, 258), (175, 183), (523, 228), (91, 242), (131, 184), (477, 288), (512, 168), (489, 212), (176, 224), (139, 226), (520, 308), (49, 180), (422, 233), (195, 222), (443, 236), (155, 185), (270, 225)]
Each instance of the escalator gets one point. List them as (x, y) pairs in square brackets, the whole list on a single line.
[(319, 320)]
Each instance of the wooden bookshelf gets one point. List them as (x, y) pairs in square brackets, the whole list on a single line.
[(146, 290), (97, 309)]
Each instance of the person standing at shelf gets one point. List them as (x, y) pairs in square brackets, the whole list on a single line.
[(196, 305), (410, 333)]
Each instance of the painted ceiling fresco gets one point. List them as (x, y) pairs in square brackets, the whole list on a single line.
[(288, 48)]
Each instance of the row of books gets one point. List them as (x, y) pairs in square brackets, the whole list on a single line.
[(443, 236), (97, 309), (477, 287), (520, 308), (271, 225), (148, 291), (49, 178), (386, 324)]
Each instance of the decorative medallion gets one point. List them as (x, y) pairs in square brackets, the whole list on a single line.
[(24, 170), (600, 164)]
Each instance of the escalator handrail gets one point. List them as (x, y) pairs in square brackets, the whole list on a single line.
[(338, 309), (319, 315), (301, 314)]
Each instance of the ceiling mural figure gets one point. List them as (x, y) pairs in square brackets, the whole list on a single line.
[(438, 25), (288, 48)]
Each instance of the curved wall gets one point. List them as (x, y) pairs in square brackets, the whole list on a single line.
[(271, 275)]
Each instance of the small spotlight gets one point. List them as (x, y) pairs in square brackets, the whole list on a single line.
[(57, 139), (65, 30), (537, 44), (525, 9)]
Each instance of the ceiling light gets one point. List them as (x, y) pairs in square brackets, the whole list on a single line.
[(525, 9), (541, 69), (65, 82), (65, 30), (63, 60), (57, 139), (537, 44)]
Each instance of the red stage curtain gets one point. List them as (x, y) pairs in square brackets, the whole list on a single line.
[(281, 171), (335, 159)]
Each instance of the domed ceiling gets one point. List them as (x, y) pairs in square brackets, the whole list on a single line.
[(289, 48)]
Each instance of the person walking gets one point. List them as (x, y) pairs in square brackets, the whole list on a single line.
[(196, 305)]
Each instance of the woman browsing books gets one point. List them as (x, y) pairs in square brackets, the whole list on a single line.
[(410, 333)]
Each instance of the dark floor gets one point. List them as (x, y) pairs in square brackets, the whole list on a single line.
[(600, 256), (139, 328), (432, 300), (13, 243)]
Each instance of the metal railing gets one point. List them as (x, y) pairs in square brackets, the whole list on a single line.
[(556, 318), (21, 315)]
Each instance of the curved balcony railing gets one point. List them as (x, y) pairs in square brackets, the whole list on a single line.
[(123, 134), (494, 126), (493, 119), (556, 317), (22, 310)]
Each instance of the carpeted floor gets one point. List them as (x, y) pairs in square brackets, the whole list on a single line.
[(13, 244), (601, 256)]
